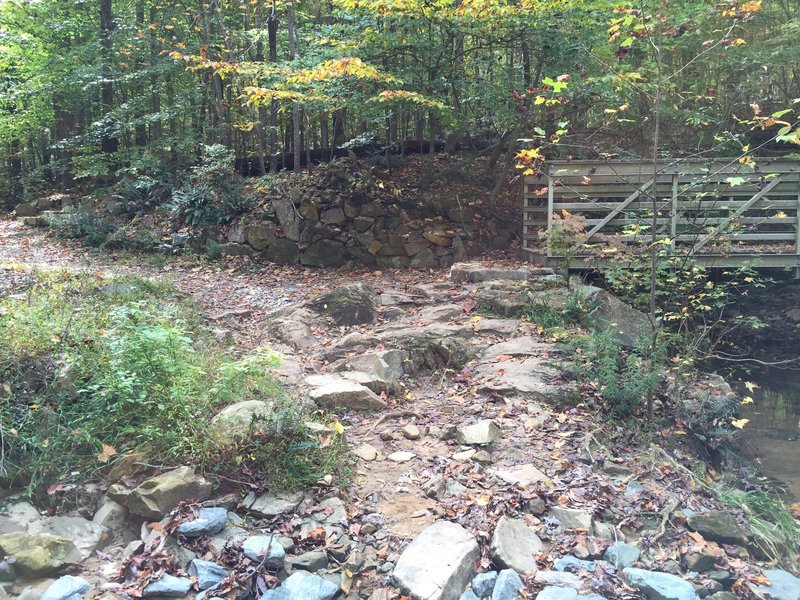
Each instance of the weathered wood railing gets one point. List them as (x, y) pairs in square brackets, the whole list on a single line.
[(722, 212)]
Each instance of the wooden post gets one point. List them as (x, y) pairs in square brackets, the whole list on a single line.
[(673, 230)]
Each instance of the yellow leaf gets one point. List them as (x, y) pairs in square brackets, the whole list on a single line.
[(108, 452), (750, 385), (336, 426), (746, 400), (475, 319), (46, 443), (740, 423)]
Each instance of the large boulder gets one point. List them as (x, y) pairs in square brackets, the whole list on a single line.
[(514, 545), (38, 555), (324, 253), (437, 565), (260, 236), (157, 496), (346, 394), (718, 526), (627, 325), (235, 420), (87, 536), (659, 586), (352, 304)]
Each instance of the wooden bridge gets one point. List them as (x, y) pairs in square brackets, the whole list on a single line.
[(721, 212)]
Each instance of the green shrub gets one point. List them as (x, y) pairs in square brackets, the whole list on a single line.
[(91, 362), (624, 377), (86, 225), (549, 312), (214, 192)]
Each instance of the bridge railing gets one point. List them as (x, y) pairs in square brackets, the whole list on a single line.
[(720, 211)]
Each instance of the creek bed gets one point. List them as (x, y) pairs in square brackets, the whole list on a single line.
[(772, 437)]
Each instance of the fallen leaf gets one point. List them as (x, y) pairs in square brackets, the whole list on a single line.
[(107, 453)]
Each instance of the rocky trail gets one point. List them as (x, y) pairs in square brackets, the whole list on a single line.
[(480, 470)]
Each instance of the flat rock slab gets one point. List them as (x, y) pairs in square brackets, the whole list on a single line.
[(523, 476), (67, 587), (718, 526), (346, 394), (659, 586), (271, 505), (532, 377), (437, 565), (477, 273), (303, 585), (572, 518), (264, 548)]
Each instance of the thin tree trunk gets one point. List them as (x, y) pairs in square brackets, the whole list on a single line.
[(108, 142)]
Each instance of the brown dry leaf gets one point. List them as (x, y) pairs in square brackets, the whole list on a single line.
[(107, 453)]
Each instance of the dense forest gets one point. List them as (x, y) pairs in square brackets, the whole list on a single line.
[(103, 91)]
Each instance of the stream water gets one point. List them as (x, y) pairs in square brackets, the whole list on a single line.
[(772, 437)]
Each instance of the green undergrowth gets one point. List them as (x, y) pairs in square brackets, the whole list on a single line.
[(775, 530), (91, 366)]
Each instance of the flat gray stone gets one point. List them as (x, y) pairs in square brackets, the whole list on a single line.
[(66, 587), (208, 573), (621, 555), (507, 586), (310, 561), (514, 545), (209, 521), (523, 476), (257, 547), (168, 586), (784, 586), (346, 394), (557, 593), (659, 586), (558, 579), (302, 585), (572, 518), (111, 515), (468, 595), (269, 505), (437, 565), (572, 564)]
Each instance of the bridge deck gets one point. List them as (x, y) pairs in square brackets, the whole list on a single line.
[(721, 212)]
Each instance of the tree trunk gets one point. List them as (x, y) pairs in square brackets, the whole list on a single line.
[(109, 142)]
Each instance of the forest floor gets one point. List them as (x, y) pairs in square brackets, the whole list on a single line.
[(570, 477)]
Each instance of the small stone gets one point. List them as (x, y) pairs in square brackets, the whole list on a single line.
[(483, 584), (386, 435), (621, 555), (572, 564), (208, 573), (722, 596), (346, 394), (411, 432), (468, 595), (557, 593), (331, 510), (366, 452), (524, 476), (659, 586), (465, 455), (67, 587), (478, 434), (259, 546), (699, 561), (401, 457), (535, 506), (507, 586), (482, 457), (571, 518), (514, 545), (558, 579), (310, 561), (168, 586), (135, 547), (209, 521)]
